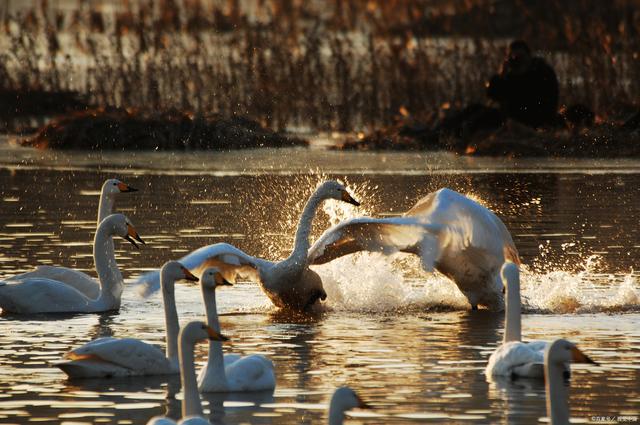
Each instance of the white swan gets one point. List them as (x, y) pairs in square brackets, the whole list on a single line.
[(75, 278), (288, 283), (452, 233), (42, 295), (190, 334), (343, 399), (556, 356), (108, 357), (231, 373), (514, 358)]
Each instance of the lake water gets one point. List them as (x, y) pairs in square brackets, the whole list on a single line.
[(404, 339)]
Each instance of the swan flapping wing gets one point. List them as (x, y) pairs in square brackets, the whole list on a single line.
[(385, 235), (230, 260)]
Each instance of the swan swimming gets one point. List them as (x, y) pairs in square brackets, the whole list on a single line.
[(288, 283), (30, 295), (450, 232), (556, 356), (343, 399), (75, 278), (230, 373), (190, 335), (109, 357), (514, 357)]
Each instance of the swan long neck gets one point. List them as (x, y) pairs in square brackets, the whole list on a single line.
[(171, 323), (111, 282), (336, 412), (191, 404), (215, 361), (105, 207), (557, 401), (301, 244), (512, 312)]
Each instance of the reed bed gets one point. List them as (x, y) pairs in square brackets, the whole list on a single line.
[(344, 65)]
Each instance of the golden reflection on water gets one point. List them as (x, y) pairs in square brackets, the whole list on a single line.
[(412, 362)]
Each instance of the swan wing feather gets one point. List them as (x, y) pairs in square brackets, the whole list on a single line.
[(82, 282), (251, 373), (42, 295), (510, 357)]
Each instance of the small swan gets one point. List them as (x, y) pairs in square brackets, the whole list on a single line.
[(190, 334), (230, 373), (288, 283), (108, 357), (450, 232), (556, 356), (75, 278), (343, 399), (514, 358), (32, 295)]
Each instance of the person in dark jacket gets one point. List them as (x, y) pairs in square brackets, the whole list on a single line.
[(526, 87)]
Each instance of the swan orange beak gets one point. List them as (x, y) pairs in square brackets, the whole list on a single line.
[(188, 275), (578, 356), (126, 188), (215, 336), (347, 198), (362, 404), (133, 234)]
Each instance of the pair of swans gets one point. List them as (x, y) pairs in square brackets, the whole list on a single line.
[(107, 357), (450, 232), (29, 293), (343, 399)]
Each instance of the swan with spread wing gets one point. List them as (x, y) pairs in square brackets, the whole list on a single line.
[(288, 283), (449, 231)]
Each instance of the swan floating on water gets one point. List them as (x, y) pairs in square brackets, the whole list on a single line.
[(514, 358), (343, 399), (288, 283), (556, 356), (230, 373), (75, 278), (30, 295), (190, 334), (109, 357), (450, 232)]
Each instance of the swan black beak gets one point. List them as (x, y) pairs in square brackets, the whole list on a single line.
[(362, 404), (578, 356), (132, 234), (126, 188), (215, 336), (189, 276), (347, 198), (225, 282)]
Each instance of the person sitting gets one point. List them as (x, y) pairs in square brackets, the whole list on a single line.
[(526, 88)]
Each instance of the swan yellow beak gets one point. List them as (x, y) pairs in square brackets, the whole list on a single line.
[(188, 275), (362, 404), (215, 336), (123, 187), (347, 198), (133, 234), (578, 356)]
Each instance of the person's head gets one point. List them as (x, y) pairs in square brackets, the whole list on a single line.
[(518, 56)]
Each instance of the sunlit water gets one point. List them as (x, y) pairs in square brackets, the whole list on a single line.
[(404, 339)]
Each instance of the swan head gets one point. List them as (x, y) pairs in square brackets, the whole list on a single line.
[(562, 351), (113, 186), (510, 274), (173, 270), (212, 277), (343, 399), (197, 331), (121, 226), (333, 190)]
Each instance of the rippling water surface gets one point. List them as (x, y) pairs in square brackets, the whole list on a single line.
[(404, 339)]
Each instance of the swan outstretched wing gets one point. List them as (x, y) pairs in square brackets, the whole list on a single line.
[(82, 282), (230, 260), (385, 235)]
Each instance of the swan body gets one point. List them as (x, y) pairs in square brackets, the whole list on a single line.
[(109, 357), (556, 356), (514, 358), (449, 231), (35, 294), (192, 413), (343, 399), (82, 282), (288, 283), (230, 373)]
